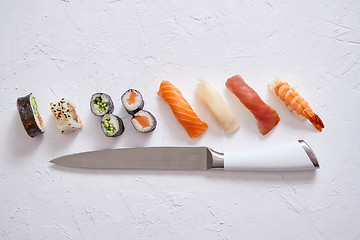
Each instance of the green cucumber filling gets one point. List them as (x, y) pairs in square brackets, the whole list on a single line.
[(109, 127), (101, 106), (34, 106), (36, 113)]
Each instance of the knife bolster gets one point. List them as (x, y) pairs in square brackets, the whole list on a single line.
[(215, 159)]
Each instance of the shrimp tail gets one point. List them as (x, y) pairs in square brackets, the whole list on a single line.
[(295, 102), (316, 121)]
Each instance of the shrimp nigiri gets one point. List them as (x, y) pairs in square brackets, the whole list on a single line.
[(182, 109), (295, 102)]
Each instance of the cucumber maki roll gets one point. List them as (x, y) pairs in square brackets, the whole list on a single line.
[(29, 115), (132, 101), (112, 125), (101, 104), (143, 121)]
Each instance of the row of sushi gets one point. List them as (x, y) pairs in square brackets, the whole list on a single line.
[(143, 121), (64, 112), (101, 105), (267, 118)]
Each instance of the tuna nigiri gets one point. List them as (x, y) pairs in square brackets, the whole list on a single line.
[(266, 116), (182, 109), (295, 102), (219, 109)]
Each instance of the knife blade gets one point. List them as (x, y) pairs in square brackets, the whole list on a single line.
[(296, 155)]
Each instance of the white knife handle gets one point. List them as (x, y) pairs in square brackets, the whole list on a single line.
[(296, 155)]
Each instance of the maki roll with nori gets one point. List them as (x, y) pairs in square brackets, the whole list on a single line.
[(143, 121), (101, 104), (66, 117), (112, 125), (132, 101), (29, 115)]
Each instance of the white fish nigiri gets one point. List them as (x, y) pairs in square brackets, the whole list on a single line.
[(219, 109)]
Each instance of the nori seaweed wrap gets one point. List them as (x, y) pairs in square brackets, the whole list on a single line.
[(101, 104), (132, 101), (111, 125), (143, 121), (29, 115)]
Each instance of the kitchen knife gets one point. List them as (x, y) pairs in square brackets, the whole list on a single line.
[(295, 155)]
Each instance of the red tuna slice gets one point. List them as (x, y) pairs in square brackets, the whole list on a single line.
[(267, 118)]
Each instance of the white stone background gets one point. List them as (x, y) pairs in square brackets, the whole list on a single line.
[(71, 48)]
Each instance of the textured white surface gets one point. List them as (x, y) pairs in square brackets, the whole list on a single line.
[(75, 48)]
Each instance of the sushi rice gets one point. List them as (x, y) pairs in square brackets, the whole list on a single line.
[(143, 121), (101, 104), (66, 117), (132, 101), (111, 125)]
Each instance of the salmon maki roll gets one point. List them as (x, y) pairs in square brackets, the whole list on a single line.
[(143, 121), (295, 102), (182, 109), (267, 118), (132, 101)]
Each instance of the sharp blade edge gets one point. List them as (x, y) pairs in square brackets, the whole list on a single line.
[(170, 158)]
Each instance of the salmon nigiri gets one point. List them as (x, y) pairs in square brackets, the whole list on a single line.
[(267, 118), (295, 102), (182, 109)]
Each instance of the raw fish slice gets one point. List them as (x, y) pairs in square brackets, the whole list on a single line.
[(219, 109), (143, 121), (295, 102), (266, 116), (132, 101), (182, 109)]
